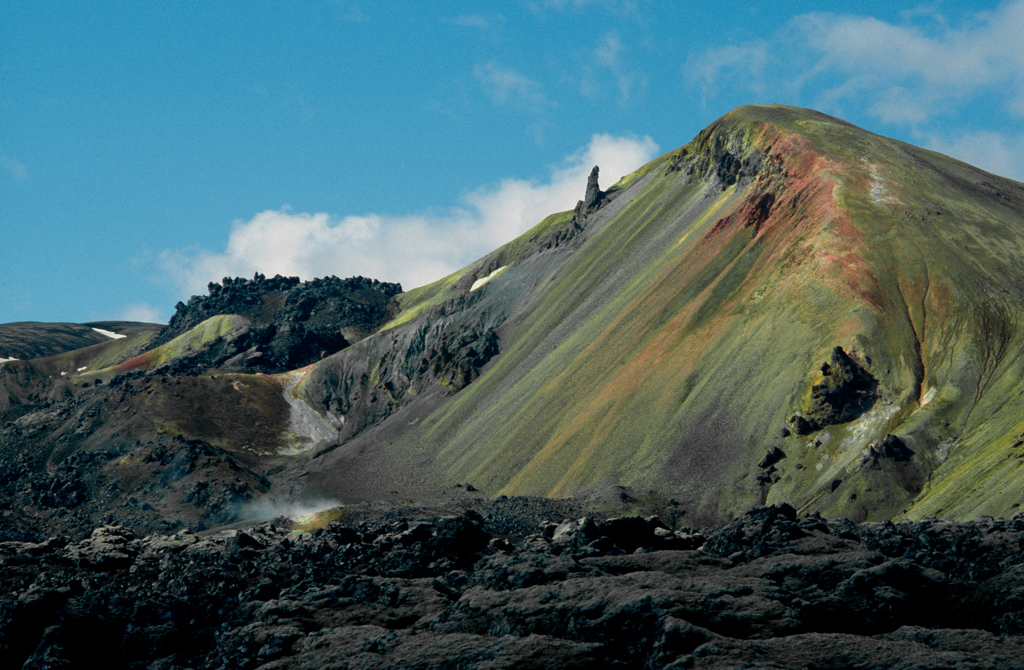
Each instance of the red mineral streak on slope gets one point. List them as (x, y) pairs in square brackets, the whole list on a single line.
[(138, 362)]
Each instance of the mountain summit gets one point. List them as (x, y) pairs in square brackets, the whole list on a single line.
[(787, 309)]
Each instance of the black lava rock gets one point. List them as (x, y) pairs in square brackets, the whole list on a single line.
[(416, 591), (292, 323)]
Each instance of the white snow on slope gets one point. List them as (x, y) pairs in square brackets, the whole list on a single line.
[(7, 360), (112, 335), (483, 280)]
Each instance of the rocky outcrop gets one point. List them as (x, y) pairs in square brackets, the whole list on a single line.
[(845, 392), (889, 448), (293, 323), (448, 349), (591, 200), (768, 474), (593, 194), (156, 486), (408, 590)]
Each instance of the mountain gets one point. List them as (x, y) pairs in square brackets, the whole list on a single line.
[(786, 309)]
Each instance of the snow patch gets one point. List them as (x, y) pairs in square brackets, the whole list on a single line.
[(108, 333), (83, 368), (7, 360), (929, 396), (483, 280)]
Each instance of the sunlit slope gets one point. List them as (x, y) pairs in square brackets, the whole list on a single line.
[(671, 348), (192, 340)]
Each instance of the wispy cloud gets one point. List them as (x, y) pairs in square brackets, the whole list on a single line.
[(904, 72), (631, 8), (996, 152), (606, 59), (905, 62), (709, 69), (141, 311), (15, 169), (478, 21), (562, 4), (507, 86), (350, 10), (413, 249), (606, 64)]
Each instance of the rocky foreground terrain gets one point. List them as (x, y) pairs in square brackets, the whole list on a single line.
[(501, 587)]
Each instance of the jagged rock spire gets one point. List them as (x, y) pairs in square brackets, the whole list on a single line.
[(594, 194), (591, 200)]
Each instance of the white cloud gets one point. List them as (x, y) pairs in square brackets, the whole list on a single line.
[(506, 86), (606, 57), (904, 73), (995, 152), (413, 250), (141, 311), (917, 69)]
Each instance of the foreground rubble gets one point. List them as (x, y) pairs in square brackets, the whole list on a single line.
[(769, 590)]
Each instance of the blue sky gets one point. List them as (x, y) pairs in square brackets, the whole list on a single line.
[(148, 148)]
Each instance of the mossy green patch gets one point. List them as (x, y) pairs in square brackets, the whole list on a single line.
[(206, 332)]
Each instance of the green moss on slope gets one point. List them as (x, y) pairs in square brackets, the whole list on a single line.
[(206, 332), (419, 300), (671, 348)]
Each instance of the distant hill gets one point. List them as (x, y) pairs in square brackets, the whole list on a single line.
[(30, 339)]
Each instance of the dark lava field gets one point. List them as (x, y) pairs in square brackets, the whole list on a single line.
[(502, 585)]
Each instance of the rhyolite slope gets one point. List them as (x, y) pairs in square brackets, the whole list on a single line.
[(30, 339), (684, 335)]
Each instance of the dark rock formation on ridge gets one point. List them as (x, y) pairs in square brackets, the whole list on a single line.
[(293, 323), (593, 197)]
